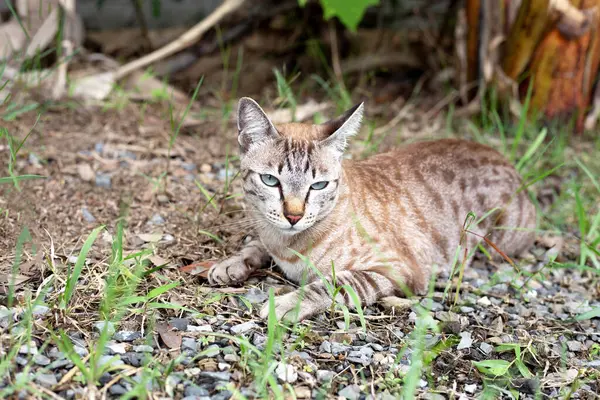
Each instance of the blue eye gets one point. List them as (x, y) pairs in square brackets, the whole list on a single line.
[(319, 185), (269, 180)]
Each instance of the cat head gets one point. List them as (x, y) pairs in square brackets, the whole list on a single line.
[(292, 171)]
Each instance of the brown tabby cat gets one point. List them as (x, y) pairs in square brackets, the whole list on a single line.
[(383, 223)]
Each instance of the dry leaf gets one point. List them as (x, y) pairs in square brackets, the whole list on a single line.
[(18, 279), (158, 261), (200, 268), (171, 338)]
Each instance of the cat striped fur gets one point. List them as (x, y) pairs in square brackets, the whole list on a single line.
[(384, 223)]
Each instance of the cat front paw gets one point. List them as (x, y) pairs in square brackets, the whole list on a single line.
[(230, 271), (288, 307)]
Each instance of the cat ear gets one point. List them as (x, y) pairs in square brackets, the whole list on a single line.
[(253, 124), (343, 127)]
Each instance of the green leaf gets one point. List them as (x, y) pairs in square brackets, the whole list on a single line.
[(595, 313), (523, 369), (492, 367), (349, 12)]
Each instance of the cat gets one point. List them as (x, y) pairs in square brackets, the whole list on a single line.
[(383, 223)]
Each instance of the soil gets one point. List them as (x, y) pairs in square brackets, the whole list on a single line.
[(101, 165)]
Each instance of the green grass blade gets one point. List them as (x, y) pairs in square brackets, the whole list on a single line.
[(532, 149), (161, 289), (594, 313), (74, 275)]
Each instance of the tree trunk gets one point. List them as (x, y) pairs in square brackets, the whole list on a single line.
[(550, 46)]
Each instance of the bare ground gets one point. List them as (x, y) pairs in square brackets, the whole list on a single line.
[(101, 165)]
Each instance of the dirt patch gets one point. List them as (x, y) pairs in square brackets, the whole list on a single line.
[(183, 205)]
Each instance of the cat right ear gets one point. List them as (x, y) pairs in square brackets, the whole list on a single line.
[(253, 124)]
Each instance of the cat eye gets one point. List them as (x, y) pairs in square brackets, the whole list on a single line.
[(319, 185), (269, 180)]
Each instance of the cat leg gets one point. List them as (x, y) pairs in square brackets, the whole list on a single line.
[(237, 268), (369, 286)]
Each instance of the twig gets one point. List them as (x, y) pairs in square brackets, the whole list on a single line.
[(404, 111), (187, 39), (386, 60), (335, 55)]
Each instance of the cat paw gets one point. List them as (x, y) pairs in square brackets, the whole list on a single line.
[(289, 308), (230, 271)]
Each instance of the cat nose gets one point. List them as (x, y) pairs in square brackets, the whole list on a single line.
[(293, 218), (293, 209)]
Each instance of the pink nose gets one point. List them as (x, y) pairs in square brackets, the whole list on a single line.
[(293, 218)]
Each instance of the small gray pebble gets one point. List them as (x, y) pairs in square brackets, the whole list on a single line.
[(432, 305), (256, 296), (22, 361), (325, 347), (40, 310), (231, 358), (41, 359), (103, 181), (127, 336), (224, 174), (111, 361), (222, 395), (80, 351), (87, 215), (243, 328), (193, 390), (466, 309), (188, 166), (58, 364), (30, 348), (99, 147), (337, 348), (46, 380), (593, 364), (117, 390), (189, 344), (376, 347), (219, 376), (143, 348), (228, 350), (101, 325), (181, 324), (367, 351), (34, 159), (574, 345), (133, 359), (350, 392), (156, 219), (212, 351), (486, 348), (325, 375)]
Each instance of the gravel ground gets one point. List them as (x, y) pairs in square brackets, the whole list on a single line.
[(195, 342)]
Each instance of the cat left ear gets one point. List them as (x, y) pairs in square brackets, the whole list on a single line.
[(343, 127), (253, 124)]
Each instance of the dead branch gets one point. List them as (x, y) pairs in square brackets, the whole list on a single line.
[(187, 39)]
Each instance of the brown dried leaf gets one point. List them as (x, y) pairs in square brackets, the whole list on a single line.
[(170, 337), (200, 268)]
